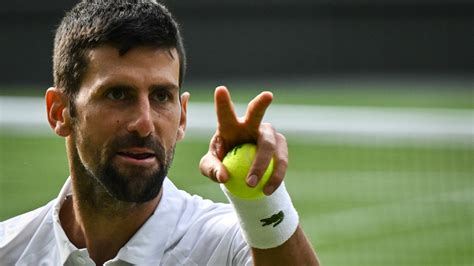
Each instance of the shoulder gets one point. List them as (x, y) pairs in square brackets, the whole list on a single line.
[(17, 232)]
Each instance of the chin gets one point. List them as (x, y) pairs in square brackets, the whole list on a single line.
[(133, 188)]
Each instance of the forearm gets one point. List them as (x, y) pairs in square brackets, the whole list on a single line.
[(295, 251)]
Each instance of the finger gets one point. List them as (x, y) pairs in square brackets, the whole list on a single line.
[(224, 108), (213, 168), (217, 147), (265, 150), (256, 109), (279, 167)]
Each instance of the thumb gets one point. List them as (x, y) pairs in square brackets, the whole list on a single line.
[(213, 168)]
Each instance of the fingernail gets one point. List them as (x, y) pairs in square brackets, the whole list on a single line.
[(252, 180), (217, 175), (268, 190)]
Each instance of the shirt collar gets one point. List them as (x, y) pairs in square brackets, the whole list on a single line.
[(148, 244), (65, 247)]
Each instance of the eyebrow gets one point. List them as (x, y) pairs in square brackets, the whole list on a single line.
[(166, 86), (169, 86)]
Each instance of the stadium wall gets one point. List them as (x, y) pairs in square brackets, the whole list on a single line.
[(246, 40)]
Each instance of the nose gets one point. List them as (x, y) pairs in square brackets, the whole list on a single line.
[(142, 121)]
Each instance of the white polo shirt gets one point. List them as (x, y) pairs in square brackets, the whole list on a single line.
[(184, 230)]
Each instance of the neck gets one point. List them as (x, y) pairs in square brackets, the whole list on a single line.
[(100, 223)]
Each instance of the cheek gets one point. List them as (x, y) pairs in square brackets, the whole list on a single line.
[(87, 145), (168, 127), (91, 139)]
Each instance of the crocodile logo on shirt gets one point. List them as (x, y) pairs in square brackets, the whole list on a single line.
[(275, 219)]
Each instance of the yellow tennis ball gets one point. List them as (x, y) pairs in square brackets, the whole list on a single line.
[(238, 162)]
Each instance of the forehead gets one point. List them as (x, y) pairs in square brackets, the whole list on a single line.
[(139, 64)]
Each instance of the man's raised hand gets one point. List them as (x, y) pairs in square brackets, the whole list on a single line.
[(232, 130)]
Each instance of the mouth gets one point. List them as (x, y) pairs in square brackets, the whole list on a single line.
[(137, 156)]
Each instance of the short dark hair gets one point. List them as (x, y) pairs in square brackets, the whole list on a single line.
[(124, 24)]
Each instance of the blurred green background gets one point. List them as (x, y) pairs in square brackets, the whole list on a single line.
[(361, 203), (364, 197)]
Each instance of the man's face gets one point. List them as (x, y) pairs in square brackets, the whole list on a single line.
[(128, 120)]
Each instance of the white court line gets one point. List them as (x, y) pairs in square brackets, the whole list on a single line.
[(449, 125)]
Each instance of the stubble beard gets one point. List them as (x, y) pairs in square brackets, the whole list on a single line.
[(130, 185)]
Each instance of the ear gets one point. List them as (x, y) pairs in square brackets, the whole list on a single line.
[(184, 109), (57, 110)]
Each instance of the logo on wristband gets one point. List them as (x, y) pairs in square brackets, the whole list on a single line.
[(275, 219)]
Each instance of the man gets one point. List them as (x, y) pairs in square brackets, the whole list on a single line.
[(118, 69)]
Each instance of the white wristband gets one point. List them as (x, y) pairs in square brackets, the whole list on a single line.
[(267, 222)]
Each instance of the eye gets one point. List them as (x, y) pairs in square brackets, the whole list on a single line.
[(161, 95), (116, 94)]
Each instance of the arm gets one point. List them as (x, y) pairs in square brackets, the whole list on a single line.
[(231, 131), (296, 251)]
